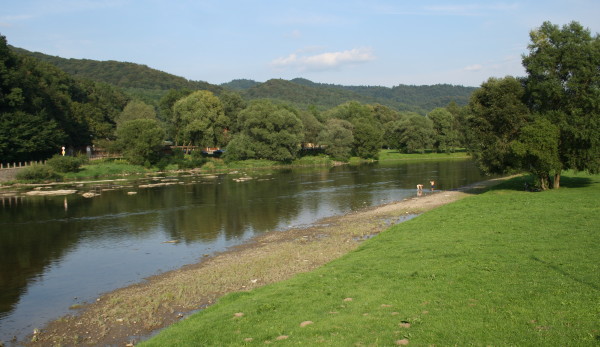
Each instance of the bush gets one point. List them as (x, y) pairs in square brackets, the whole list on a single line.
[(37, 173), (64, 163)]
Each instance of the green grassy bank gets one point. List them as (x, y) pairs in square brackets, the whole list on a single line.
[(506, 267)]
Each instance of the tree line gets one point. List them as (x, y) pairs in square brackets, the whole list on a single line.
[(543, 123)]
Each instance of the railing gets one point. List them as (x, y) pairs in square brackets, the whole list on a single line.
[(20, 164)]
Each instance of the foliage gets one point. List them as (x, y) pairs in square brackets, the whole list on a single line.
[(43, 109), (498, 113), (563, 85), (136, 109), (269, 131), (412, 134), (368, 139), (337, 137), (141, 141), (302, 93), (38, 173), (199, 120), (140, 79), (444, 126), (60, 163), (427, 281), (233, 104), (561, 93), (537, 148)]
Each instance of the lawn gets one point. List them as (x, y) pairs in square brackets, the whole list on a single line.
[(506, 267)]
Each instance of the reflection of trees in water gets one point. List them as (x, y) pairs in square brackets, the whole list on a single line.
[(230, 208), (26, 251)]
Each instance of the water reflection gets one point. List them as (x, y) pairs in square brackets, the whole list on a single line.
[(56, 251)]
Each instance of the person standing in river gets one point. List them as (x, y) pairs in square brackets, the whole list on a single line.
[(432, 185)]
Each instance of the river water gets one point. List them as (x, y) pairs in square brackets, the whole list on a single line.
[(60, 251)]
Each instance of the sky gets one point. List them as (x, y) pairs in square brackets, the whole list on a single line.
[(348, 42)]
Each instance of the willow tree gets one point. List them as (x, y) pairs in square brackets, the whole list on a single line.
[(563, 86), (199, 120)]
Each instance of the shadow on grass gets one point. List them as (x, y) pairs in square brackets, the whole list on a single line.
[(522, 182)]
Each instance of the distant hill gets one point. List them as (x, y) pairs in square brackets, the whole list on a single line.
[(302, 92), (150, 85), (136, 79)]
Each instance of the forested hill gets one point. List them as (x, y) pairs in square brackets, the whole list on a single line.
[(150, 85), (302, 93), (139, 80)]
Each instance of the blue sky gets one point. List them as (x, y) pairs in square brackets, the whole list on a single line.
[(379, 42)]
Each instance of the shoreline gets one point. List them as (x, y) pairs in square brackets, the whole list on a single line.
[(130, 314)]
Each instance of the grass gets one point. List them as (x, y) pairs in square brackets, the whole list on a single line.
[(106, 169), (506, 267), (392, 154)]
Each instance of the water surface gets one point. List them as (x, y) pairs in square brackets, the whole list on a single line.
[(59, 251)]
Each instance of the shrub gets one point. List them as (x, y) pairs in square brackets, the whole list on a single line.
[(64, 163), (37, 173)]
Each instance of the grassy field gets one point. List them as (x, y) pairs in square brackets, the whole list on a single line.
[(506, 267), (392, 154)]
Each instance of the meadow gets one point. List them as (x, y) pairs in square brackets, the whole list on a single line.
[(506, 267)]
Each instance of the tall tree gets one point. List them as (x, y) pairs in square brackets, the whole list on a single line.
[(337, 137), (199, 119), (563, 85), (444, 126), (269, 131), (498, 113), (141, 141)]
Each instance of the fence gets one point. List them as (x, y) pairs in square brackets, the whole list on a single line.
[(20, 164)]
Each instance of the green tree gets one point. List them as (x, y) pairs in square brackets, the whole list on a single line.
[(136, 109), (269, 131), (233, 104), (368, 138), (199, 119), (414, 133), (311, 125), (497, 115), (337, 137), (444, 126), (141, 141), (537, 147), (563, 85)]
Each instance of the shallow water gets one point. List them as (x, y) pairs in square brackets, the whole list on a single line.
[(59, 251)]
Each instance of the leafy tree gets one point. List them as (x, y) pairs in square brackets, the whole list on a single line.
[(498, 113), (232, 105), (368, 139), (563, 85), (312, 127), (350, 111), (337, 137), (414, 133), (141, 141), (537, 147), (444, 126), (269, 131), (199, 119), (165, 108), (136, 109)]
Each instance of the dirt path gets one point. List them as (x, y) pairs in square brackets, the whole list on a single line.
[(125, 316)]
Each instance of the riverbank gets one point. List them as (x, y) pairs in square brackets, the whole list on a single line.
[(133, 312), (507, 267)]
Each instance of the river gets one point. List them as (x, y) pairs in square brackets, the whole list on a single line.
[(57, 252)]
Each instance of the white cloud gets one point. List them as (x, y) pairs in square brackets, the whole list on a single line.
[(324, 61)]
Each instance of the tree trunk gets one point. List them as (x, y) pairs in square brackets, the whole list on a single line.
[(556, 180)]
